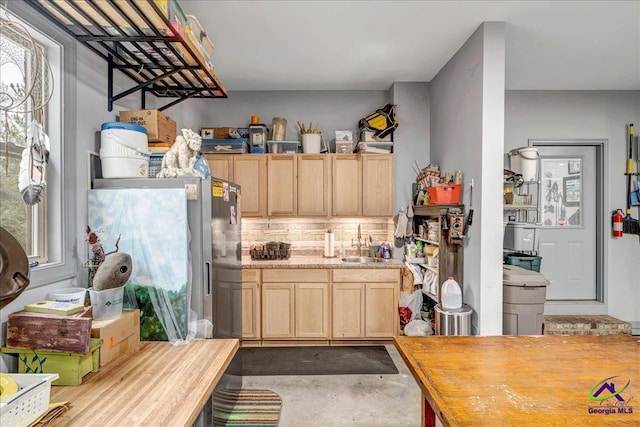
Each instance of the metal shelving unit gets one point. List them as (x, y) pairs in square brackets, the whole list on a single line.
[(137, 38)]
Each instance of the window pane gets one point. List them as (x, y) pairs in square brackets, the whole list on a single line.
[(561, 191)]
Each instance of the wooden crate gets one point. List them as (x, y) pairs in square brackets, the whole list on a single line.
[(119, 336), (71, 367), (50, 332)]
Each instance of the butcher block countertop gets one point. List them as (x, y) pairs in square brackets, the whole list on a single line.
[(158, 385), (548, 380), (296, 261)]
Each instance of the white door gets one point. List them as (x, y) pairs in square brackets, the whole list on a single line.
[(568, 235)]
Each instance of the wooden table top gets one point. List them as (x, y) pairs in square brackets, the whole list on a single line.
[(158, 385), (527, 380)]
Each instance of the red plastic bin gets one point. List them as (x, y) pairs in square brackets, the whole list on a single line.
[(445, 194)]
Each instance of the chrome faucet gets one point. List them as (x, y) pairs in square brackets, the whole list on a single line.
[(358, 242)]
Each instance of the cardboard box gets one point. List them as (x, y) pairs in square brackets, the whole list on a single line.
[(119, 336), (160, 128), (50, 332), (217, 132)]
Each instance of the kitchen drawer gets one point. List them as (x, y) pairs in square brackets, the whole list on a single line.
[(295, 275), (361, 275), (252, 275)]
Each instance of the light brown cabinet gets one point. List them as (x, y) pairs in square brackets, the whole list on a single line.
[(310, 184), (346, 188), (377, 185), (363, 185), (365, 303), (314, 176), (281, 185), (251, 304), (295, 304)]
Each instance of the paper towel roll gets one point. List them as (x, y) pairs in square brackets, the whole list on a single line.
[(328, 244)]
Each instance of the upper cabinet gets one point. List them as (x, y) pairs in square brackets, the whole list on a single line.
[(147, 40), (377, 185), (347, 185), (363, 185), (314, 175), (309, 184), (250, 172)]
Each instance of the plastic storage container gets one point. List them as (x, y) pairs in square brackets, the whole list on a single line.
[(456, 321), (70, 295), (123, 150), (530, 262), (445, 194), (520, 236), (258, 138), (107, 304), (524, 160), (31, 401), (523, 297), (283, 147)]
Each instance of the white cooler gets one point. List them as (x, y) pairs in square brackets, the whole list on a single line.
[(523, 297)]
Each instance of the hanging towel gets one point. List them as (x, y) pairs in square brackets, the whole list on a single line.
[(401, 228)]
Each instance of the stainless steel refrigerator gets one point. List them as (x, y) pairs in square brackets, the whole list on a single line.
[(183, 229)]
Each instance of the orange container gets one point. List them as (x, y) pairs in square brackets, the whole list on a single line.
[(445, 194)]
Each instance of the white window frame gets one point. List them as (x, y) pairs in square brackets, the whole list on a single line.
[(61, 172)]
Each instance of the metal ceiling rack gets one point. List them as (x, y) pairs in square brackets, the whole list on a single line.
[(137, 38)]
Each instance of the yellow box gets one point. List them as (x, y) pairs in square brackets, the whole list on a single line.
[(160, 128), (119, 336), (71, 367)]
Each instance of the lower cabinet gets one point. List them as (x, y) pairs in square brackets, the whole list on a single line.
[(251, 305), (295, 304), (365, 303)]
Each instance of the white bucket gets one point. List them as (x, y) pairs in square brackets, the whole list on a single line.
[(524, 160), (311, 143), (107, 304), (70, 295), (123, 150)]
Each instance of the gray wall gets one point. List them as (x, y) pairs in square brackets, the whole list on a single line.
[(589, 115), (334, 110), (467, 119)]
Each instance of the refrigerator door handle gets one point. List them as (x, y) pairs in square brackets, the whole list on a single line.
[(207, 278)]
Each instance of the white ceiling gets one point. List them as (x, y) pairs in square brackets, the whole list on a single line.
[(368, 45)]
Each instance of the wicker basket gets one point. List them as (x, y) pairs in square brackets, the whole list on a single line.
[(266, 254), (31, 401)]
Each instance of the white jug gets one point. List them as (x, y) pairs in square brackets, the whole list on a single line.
[(451, 294)]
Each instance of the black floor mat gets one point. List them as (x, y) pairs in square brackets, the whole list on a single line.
[(316, 361)]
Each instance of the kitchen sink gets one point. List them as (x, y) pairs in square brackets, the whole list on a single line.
[(362, 260)]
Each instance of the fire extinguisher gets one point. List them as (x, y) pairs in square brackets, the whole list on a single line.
[(617, 223)]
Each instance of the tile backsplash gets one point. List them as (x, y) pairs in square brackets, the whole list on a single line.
[(306, 235)]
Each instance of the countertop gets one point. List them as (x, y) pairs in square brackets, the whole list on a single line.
[(526, 380), (158, 385), (296, 261)]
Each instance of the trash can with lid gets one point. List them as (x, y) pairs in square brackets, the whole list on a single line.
[(453, 321), (524, 294)]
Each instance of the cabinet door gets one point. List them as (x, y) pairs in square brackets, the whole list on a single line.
[(282, 186), (377, 185), (348, 310), (347, 185), (250, 170), (312, 310), (221, 165), (250, 304), (381, 310), (313, 184), (277, 310)]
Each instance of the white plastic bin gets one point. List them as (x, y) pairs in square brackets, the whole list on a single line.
[(524, 160), (523, 297), (70, 295), (124, 150), (107, 304), (520, 236)]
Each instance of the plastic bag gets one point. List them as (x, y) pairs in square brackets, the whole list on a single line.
[(413, 301), (417, 328)]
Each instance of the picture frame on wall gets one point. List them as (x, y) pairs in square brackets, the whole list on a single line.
[(572, 187), (574, 166)]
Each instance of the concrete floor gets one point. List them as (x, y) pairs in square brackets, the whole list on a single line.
[(346, 400)]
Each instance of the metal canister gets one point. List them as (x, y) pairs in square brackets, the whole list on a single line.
[(455, 321)]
